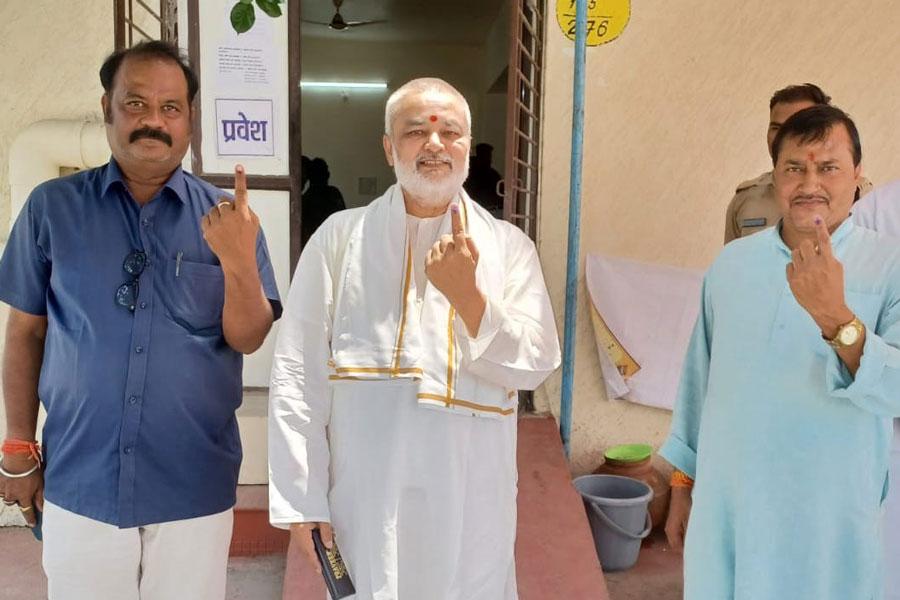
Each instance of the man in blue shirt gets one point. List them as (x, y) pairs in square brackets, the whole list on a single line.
[(134, 290)]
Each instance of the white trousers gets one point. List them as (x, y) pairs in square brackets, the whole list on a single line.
[(85, 559)]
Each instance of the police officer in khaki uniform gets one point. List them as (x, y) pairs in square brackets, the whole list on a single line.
[(753, 207)]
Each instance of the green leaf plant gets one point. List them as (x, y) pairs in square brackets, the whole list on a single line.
[(243, 13)]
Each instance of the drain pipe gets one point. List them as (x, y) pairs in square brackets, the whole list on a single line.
[(574, 243)]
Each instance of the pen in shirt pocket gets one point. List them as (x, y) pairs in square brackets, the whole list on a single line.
[(178, 263)]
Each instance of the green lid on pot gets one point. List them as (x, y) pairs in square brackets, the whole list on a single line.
[(629, 452)]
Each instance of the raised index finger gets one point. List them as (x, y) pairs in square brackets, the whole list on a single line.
[(240, 188), (456, 226), (824, 238)]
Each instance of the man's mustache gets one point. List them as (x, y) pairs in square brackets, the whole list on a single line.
[(152, 134)]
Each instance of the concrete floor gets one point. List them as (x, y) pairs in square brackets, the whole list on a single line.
[(20, 565), (656, 576), (550, 566)]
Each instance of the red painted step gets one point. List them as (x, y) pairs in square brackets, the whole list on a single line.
[(252, 535), (555, 555)]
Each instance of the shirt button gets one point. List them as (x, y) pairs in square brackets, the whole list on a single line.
[(132, 400), (128, 449), (139, 349), (143, 305), (146, 222)]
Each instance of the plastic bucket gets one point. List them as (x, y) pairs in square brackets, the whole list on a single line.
[(617, 510)]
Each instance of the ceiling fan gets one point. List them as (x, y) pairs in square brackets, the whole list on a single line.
[(337, 21)]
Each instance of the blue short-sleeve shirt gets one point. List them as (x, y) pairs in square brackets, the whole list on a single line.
[(141, 424)]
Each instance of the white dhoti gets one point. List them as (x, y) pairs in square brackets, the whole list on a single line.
[(423, 503)]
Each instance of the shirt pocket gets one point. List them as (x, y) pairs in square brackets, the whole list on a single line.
[(196, 295)]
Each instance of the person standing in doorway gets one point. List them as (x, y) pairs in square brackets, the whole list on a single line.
[(320, 200)]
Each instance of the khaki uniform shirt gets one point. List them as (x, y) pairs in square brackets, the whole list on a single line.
[(754, 207)]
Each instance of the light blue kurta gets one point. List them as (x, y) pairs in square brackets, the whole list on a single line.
[(788, 450)]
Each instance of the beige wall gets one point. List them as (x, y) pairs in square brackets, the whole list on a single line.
[(41, 81), (676, 116)]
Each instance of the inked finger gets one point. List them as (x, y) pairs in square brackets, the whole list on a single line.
[(241, 202), (456, 225), (824, 237)]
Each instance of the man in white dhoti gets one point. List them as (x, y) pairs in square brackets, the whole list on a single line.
[(410, 325)]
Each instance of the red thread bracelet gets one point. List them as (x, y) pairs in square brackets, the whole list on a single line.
[(32, 449)]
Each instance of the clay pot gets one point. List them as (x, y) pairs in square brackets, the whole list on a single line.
[(643, 470)]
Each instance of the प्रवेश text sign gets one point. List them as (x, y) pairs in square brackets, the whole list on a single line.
[(244, 127), (606, 19)]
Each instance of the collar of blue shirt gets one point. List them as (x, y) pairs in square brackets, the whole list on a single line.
[(175, 183)]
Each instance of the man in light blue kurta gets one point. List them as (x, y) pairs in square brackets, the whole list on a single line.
[(785, 434)]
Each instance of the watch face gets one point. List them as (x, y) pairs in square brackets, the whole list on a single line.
[(848, 335)]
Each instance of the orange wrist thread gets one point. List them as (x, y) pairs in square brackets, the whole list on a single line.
[(32, 449), (680, 479)]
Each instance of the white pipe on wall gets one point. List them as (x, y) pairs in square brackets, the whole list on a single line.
[(39, 151)]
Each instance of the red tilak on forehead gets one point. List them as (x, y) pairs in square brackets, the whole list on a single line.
[(432, 118), (811, 156)]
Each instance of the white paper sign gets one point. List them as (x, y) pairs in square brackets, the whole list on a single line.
[(244, 127), (650, 309), (243, 66), (245, 61)]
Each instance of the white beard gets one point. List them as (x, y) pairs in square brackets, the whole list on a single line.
[(427, 191)]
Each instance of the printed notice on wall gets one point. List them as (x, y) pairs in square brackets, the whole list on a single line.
[(606, 19), (242, 65), (244, 127), (245, 60)]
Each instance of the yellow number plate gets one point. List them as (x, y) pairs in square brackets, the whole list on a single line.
[(606, 19)]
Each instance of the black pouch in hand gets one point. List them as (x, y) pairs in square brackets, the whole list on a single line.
[(337, 579)]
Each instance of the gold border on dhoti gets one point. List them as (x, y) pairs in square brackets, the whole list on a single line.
[(398, 347), (466, 404)]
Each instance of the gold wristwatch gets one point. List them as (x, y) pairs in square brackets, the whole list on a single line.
[(847, 335)]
